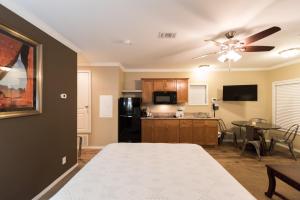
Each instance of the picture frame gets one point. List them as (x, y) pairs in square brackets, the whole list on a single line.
[(20, 74)]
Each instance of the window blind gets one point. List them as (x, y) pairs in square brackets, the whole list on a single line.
[(287, 104)]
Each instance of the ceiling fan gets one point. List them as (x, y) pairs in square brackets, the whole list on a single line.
[(230, 49)]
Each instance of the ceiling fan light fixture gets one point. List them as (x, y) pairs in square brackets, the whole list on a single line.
[(222, 58), (233, 55), (288, 53), (229, 56)]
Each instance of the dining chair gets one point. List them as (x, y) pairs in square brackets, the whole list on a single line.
[(252, 138), (225, 131), (261, 132), (287, 138)]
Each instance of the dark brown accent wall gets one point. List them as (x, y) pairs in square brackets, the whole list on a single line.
[(31, 148)]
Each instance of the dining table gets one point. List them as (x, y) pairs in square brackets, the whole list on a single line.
[(262, 126)]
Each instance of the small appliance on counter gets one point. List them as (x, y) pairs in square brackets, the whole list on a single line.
[(179, 113), (146, 112), (129, 119)]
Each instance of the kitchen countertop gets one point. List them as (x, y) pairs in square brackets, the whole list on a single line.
[(174, 118)]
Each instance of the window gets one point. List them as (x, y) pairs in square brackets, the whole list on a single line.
[(197, 94), (286, 103)]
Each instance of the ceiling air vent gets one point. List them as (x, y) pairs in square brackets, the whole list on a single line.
[(162, 35)]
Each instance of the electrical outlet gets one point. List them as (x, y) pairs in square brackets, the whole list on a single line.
[(64, 160)]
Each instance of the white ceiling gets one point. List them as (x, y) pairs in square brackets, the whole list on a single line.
[(95, 28)]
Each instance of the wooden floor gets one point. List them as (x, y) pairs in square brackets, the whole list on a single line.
[(250, 172)]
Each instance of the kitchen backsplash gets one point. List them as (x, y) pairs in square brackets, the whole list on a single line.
[(173, 108)]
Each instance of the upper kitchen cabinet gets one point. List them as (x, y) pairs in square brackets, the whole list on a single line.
[(147, 89), (179, 85), (182, 90), (158, 85), (164, 85)]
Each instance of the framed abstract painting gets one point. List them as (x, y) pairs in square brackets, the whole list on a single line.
[(20, 74)]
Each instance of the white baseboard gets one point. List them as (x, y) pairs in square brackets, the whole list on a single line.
[(49, 187), (93, 147), (282, 145)]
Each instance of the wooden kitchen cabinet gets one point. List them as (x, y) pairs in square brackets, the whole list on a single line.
[(199, 132), (168, 84), (159, 85), (147, 131), (182, 90), (186, 131), (164, 85), (195, 131), (166, 131), (211, 132), (147, 91)]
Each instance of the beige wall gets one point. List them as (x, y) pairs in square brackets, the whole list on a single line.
[(111, 80), (229, 111), (105, 81), (285, 73)]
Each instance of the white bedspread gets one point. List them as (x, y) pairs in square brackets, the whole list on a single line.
[(153, 172)]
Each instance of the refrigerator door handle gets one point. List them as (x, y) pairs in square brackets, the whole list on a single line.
[(128, 116)]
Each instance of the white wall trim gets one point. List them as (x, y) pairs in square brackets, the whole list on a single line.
[(212, 69), (31, 18), (101, 64), (283, 64), (93, 147), (286, 147), (49, 187)]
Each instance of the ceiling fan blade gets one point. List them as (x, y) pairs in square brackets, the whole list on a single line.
[(257, 48), (205, 55), (261, 35)]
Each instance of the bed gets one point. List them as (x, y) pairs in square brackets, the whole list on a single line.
[(153, 172)]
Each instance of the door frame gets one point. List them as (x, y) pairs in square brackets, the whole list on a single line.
[(89, 100)]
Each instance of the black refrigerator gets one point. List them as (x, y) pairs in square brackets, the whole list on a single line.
[(129, 119)]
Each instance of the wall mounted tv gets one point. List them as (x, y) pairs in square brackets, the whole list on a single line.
[(240, 93)]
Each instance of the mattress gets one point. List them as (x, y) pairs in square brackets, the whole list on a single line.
[(153, 172)]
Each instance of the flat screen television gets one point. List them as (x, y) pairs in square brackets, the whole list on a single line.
[(240, 93)]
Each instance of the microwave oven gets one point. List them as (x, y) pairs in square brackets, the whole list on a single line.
[(168, 97)]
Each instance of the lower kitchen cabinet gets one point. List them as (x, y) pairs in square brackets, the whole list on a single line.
[(186, 131), (211, 132), (197, 131), (166, 131), (147, 131)]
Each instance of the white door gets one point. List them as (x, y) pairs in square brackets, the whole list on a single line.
[(84, 102)]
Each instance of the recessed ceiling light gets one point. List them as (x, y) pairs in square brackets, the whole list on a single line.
[(201, 66), (288, 53), (127, 42)]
